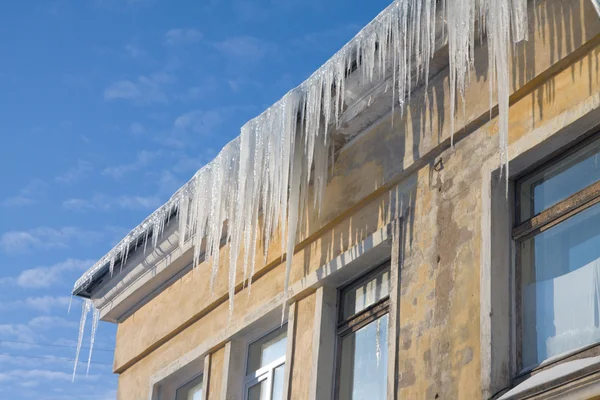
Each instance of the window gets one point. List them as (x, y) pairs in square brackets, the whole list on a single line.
[(265, 369), (558, 256), (362, 338), (191, 390)]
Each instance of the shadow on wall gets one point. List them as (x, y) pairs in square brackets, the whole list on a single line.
[(562, 33), (557, 24)]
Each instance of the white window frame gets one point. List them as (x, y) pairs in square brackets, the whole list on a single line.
[(381, 307), (265, 373), (167, 386), (532, 226), (201, 375)]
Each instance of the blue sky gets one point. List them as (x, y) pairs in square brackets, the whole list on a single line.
[(108, 106)]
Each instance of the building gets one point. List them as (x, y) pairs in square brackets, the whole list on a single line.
[(425, 274)]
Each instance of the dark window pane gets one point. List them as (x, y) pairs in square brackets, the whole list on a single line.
[(357, 298), (559, 181), (191, 390), (560, 274), (258, 391), (363, 367), (278, 376)]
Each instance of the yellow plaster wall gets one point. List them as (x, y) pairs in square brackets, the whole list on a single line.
[(439, 308), (215, 377), (303, 343)]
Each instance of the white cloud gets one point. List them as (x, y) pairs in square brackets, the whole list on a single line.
[(43, 277), (18, 201), (145, 90), (96, 203), (56, 8), (186, 165), (139, 202), (137, 128), (201, 122), (181, 36), (38, 374), (122, 90), (143, 159), (250, 11), (76, 173), (134, 51), (321, 41), (51, 364), (28, 195), (117, 233), (46, 303), (43, 303), (47, 323), (44, 238), (106, 203), (236, 84), (168, 183), (19, 332), (249, 48)]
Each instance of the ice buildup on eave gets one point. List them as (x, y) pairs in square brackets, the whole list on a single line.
[(268, 168)]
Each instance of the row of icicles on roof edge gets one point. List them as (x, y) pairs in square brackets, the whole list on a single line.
[(268, 168)]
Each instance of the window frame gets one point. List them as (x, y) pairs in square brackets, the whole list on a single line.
[(359, 320), (264, 373), (201, 375), (537, 224), (167, 386)]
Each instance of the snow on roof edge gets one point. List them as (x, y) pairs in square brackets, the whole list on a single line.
[(166, 209)]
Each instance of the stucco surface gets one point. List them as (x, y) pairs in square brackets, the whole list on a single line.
[(215, 377), (303, 343)]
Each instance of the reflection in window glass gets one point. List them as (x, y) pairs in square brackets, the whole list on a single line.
[(266, 366), (258, 391), (366, 294), (266, 350), (363, 366), (560, 277), (278, 375), (559, 181), (191, 390)]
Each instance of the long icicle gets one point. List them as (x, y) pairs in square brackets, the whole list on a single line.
[(86, 306), (95, 321), (257, 187)]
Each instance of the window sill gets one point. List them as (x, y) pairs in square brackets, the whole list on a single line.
[(589, 351), (566, 379)]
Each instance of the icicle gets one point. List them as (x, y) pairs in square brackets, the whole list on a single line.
[(519, 19), (70, 302), (85, 309), (498, 25), (257, 187), (145, 241), (183, 213), (378, 341), (124, 257), (95, 321), (295, 181), (460, 17)]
